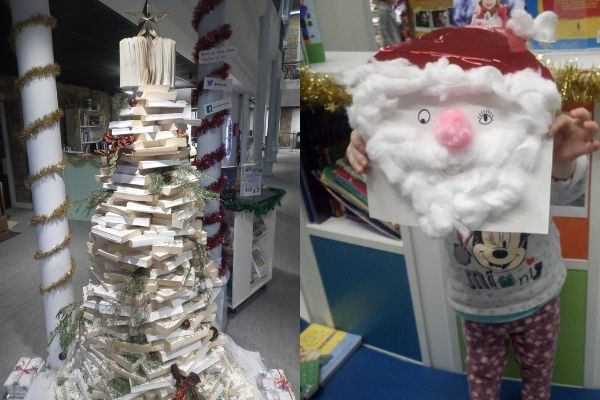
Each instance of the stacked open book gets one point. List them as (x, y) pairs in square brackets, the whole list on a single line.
[(147, 60)]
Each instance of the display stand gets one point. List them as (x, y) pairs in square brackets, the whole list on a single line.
[(242, 284)]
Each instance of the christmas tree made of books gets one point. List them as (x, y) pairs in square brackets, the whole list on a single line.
[(148, 311)]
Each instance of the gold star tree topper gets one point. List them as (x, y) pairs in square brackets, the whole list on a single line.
[(148, 19)]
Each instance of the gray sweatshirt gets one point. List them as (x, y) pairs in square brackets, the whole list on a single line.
[(498, 274)]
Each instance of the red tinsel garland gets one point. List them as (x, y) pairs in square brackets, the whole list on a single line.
[(214, 218), (203, 8), (211, 123), (217, 185), (211, 39), (208, 41), (218, 238), (210, 159), (221, 73)]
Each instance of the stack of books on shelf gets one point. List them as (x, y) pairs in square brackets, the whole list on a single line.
[(349, 190)]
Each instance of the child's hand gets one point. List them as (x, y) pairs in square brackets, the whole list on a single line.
[(356, 153), (573, 135)]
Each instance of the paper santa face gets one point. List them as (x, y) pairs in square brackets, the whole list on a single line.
[(458, 137)]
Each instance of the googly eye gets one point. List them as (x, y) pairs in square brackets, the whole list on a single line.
[(485, 117), (424, 116)]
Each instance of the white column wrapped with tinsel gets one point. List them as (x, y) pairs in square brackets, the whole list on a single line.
[(209, 21), (41, 116)]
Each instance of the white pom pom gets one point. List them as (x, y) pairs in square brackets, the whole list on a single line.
[(521, 24), (545, 26), (541, 29)]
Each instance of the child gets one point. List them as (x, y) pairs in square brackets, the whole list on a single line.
[(517, 308)]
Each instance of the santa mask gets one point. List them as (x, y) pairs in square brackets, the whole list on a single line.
[(455, 118)]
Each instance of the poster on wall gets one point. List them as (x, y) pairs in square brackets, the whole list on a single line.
[(483, 12), (311, 36), (578, 24), (430, 14), (434, 14)]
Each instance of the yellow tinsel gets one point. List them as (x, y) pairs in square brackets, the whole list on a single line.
[(576, 85), (62, 281), (39, 255), (46, 20), (320, 91), (45, 172), (45, 122), (58, 212), (38, 73)]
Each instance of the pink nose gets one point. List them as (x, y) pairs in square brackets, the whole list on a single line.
[(452, 129)]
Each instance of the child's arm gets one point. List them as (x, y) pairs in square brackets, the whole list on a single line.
[(573, 136)]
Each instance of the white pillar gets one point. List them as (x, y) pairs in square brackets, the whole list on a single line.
[(244, 127), (261, 84), (274, 115), (213, 139), (38, 98)]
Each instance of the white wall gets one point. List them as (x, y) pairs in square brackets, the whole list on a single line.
[(346, 25)]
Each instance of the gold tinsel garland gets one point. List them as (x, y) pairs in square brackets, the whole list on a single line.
[(58, 212), (45, 172), (576, 85), (38, 73), (320, 91), (45, 122), (39, 255), (63, 280), (46, 20)]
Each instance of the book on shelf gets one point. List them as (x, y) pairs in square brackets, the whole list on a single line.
[(349, 190), (330, 346), (259, 228), (259, 265), (309, 378)]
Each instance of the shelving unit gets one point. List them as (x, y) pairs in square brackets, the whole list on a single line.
[(81, 132), (91, 128), (242, 285)]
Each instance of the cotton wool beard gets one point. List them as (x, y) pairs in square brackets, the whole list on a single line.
[(456, 189)]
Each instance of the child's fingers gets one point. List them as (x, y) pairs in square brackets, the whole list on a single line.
[(561, 122), (357, 141), (591, 127), (356, 160), (593, 146), (581, 114)]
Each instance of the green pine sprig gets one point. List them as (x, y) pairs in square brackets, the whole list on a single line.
[(67, 329), (94, 199)]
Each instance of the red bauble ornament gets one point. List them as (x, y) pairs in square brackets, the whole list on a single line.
[(186, 324), (132, 102), (62, 356)]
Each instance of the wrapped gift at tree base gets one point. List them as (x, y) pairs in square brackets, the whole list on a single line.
[(274, 385), (19, 381)]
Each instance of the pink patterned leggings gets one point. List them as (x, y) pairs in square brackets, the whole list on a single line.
[(534, 340)]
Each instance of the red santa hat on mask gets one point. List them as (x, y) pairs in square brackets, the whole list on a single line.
[(459, 61)]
